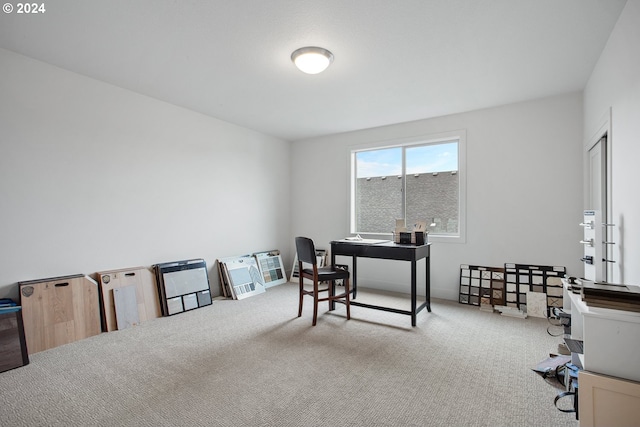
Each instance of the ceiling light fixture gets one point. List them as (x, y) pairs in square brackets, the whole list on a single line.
[(312, 60)]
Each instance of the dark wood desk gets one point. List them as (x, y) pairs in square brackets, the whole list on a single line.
[(392, 251)]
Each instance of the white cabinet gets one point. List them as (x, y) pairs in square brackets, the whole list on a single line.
[(611, 337), (609, 385), (605, 401)]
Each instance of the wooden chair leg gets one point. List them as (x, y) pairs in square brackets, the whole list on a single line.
[(315, 302), (347, 298), (301, 295), (332, 288)]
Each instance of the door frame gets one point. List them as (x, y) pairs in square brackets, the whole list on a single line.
[(603, 130)]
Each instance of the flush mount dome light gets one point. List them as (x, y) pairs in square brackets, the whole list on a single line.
[(312, 60)]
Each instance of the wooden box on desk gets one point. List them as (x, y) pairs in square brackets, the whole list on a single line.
[(59, 310), (411, 237), (146, 294)]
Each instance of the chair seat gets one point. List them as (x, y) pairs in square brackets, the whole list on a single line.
[(328, 273)]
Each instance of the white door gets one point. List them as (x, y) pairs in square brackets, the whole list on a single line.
[(598, 184)]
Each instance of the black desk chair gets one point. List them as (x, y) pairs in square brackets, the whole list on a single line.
[(307, 253)]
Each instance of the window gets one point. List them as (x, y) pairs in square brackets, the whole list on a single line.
[(417, 180)]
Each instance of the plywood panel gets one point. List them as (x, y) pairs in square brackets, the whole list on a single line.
[(58, 311), (146, 294)]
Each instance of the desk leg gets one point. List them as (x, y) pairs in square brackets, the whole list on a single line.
[(354, 282), (413, 293), (332, 304), (427, 291)]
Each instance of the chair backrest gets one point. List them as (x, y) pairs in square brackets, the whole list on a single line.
[(306, 250)]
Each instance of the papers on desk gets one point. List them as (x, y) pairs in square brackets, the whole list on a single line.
[(358, 239)]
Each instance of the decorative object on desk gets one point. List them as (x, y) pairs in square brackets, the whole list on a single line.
[(416, 236), (146, 295), (306, 253), (523, 278), (481, 286), (182, 285), (400, 232), (59, 310), (419, 233), (271, 267), (420, 226), (243, 276)]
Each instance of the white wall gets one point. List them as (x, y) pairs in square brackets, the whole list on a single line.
[(95, 177), (524, 190), (615, 85), (85, 168)]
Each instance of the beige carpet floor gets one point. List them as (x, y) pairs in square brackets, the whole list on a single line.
[(254, 363)]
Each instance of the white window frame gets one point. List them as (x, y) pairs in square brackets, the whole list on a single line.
[(461, 137)]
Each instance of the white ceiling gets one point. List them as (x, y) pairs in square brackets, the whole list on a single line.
[(395, 60)]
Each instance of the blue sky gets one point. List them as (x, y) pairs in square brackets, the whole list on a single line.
[(420, 159)]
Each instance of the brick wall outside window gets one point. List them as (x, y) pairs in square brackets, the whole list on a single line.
[(429, 197)]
